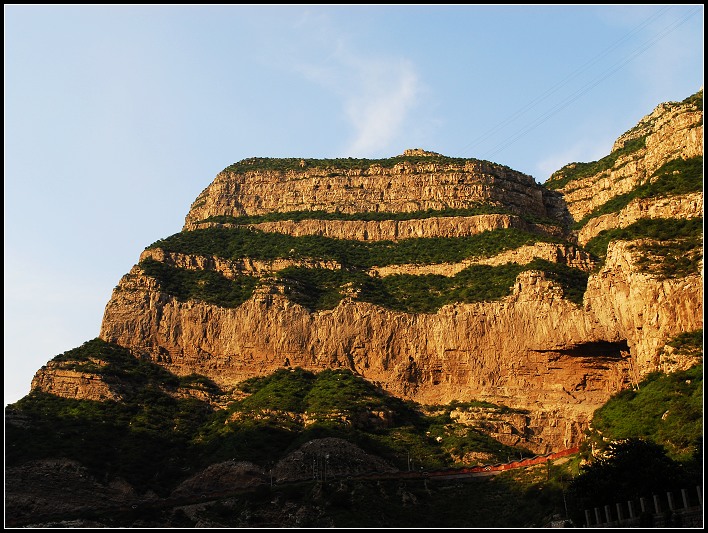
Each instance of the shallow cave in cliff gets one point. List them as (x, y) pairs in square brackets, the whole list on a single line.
[(598, 349)]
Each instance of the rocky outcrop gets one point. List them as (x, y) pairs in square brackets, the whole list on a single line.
[(671, 131), (54, 487), (217, 478), (405, 187), (555, 253), (232, 268), (67, 383), (642, 309), (394, 230), (563, 363), (432, 358), (683, 206), (564, 254), (327, 458), (533, 350)]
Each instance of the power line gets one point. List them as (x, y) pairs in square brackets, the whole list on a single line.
[(555, 88), (573, 97)]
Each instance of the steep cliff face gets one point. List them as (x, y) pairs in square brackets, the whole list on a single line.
[(453, 354), (643, 309), (435, 183), (525, 342), (394, 230), (67, 383), (673, 130), (684, 206)]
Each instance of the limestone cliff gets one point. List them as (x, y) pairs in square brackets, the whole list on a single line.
[(673, 130), (394, 230), (526, 343), (69, 383), (435, 183)]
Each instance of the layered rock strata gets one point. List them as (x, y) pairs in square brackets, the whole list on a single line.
[(395, 230), (405, 187), (673, 130), (533, 350)]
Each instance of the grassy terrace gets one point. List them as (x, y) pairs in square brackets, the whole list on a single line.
[(237, 243), (203, 285), (680, 176), (297, 216), (577, 171), (345, 163), (664, 408), (675, 249), (154, 441), (318, 289)]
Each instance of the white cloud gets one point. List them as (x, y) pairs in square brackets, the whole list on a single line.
[(388, 94), (378, 94)]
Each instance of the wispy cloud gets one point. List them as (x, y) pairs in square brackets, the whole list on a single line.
[(378, 94), (378, 111)]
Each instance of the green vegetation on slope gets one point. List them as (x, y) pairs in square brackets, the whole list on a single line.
[(343, 404), (115, 364), (695, 100), (629, 469), (666, 409), (343, 163), (647, 440), (680, 176), (476, 283), (296, 216), (154, 440), (674, 249), (688, 343), (238, 243), (319, 289), (204, 285), (576, 171)]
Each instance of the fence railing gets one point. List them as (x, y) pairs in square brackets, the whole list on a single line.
[(657, 511)]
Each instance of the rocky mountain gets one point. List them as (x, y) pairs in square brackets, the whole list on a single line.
[(435, 279), (333, 264)]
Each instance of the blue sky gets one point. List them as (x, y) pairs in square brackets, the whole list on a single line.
[(117, 117)]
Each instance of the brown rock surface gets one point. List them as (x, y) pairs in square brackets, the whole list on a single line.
[(394, 230), (54, 379), (432, 358), (645, 311), (684, 206), (406, 187), (672, 130), (532, 350)]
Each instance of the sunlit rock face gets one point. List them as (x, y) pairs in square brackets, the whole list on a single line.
[(533, 349)]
